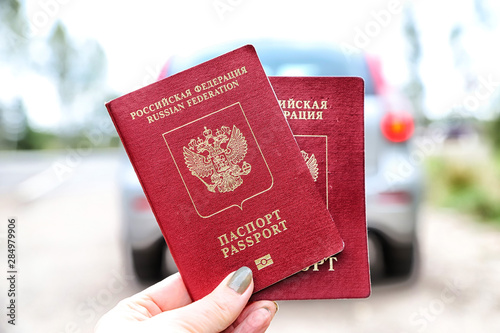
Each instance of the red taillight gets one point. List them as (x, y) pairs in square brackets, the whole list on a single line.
[(140, 204), (397, 126), (394, 198), (164, 71)]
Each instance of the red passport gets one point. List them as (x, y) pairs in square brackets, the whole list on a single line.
[(326, 117), (223, 174)]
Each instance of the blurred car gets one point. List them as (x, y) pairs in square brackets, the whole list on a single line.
[(392, 192)]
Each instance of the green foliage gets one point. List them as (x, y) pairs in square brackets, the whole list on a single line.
[(38, 140), (494, 133), (469, 185)]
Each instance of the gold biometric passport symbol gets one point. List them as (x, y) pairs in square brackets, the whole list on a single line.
[(264, 261), (312, 164), (219, 157)]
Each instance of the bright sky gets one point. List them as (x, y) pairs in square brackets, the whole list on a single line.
[(138, 37), (444, 83)]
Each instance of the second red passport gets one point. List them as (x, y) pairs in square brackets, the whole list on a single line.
[(326, 117), (223, 174)]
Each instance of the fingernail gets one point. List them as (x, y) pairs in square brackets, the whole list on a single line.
[(240, 280), (277, 306)]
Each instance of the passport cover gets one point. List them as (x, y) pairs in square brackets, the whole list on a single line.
[(326, 117), (223, 174)]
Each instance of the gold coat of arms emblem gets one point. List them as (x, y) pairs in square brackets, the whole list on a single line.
[(217, 159), (312, 164)]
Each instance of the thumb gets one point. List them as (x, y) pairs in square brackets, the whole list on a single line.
[(216, 311)]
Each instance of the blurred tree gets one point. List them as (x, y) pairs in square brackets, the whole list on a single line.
[(414, 89), (494, 127), (13, 124), (488, 18), (16, 131), (461, 57), (77, 69), (13, 28), (462, 63), (74, 68), (78, 72), (484, 13)]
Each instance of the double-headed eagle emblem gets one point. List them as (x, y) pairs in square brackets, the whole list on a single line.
[(218, 157), (312, 164)]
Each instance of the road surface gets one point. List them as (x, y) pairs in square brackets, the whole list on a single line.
[(72, 269)]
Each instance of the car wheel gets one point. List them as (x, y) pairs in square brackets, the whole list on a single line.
[(376, 256), (147, 262), (168, 265), (402, 261)]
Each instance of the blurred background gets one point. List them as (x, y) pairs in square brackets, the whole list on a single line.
[(431, 68)]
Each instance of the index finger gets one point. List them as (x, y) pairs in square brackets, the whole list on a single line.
[(168, 294)]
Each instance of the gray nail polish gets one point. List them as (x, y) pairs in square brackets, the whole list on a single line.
[(240, 280)]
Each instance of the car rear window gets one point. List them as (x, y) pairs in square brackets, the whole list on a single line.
[(320, 62), (286, 60)]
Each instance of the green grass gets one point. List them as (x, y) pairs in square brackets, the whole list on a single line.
[(469, 183)]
